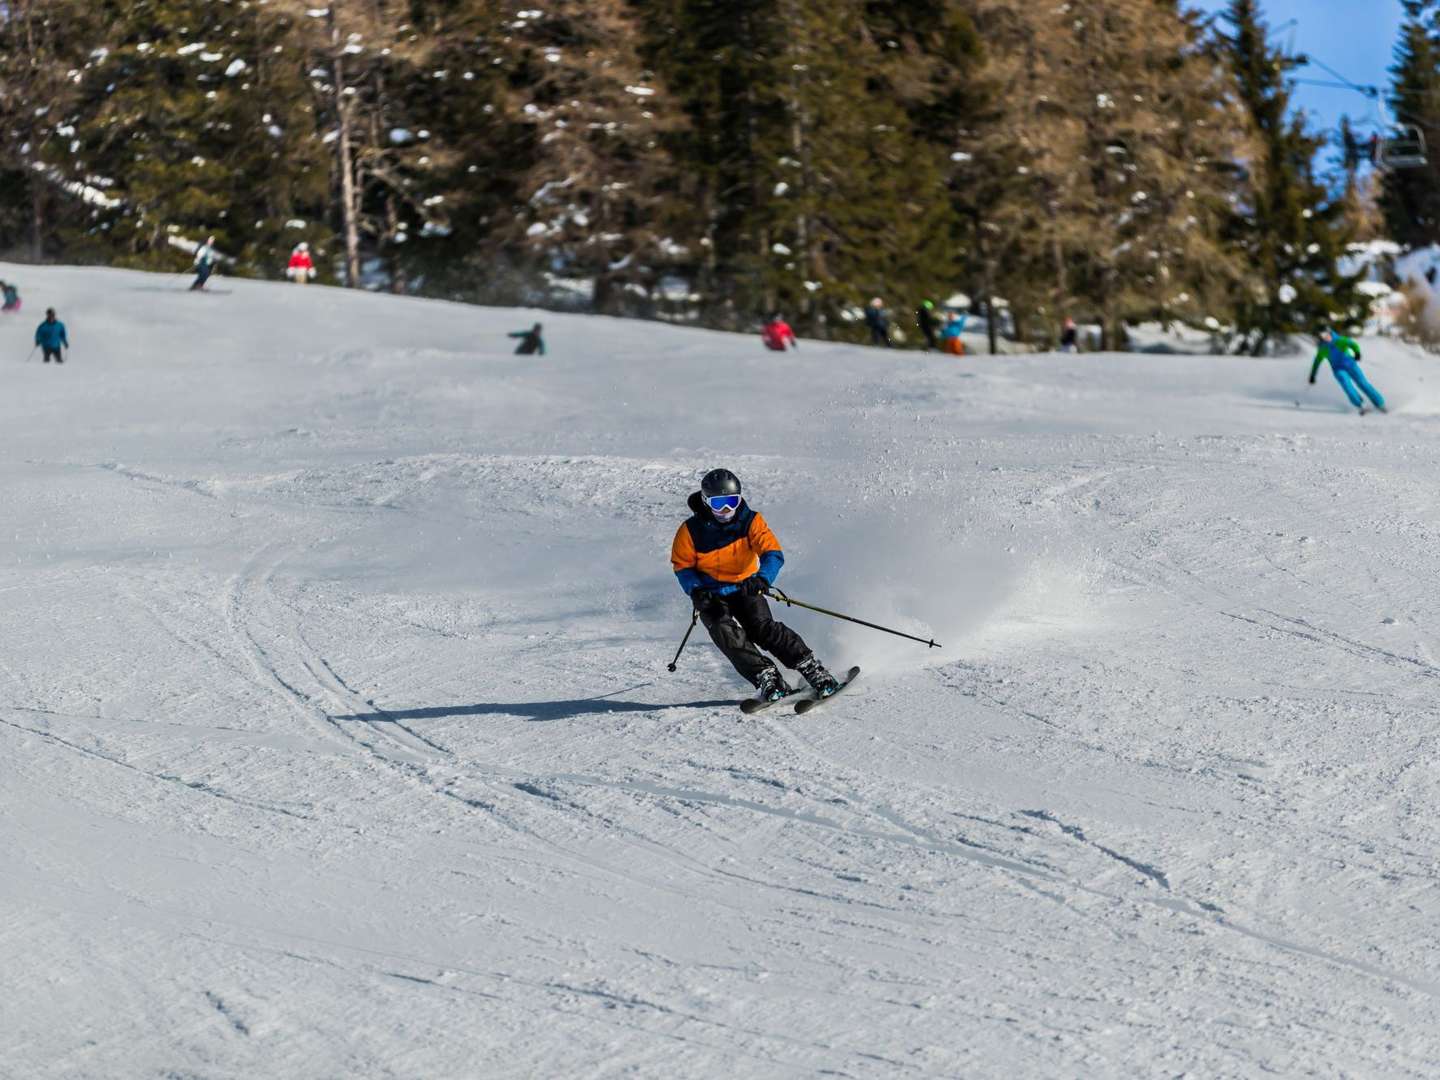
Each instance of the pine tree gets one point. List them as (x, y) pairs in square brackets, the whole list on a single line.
[(384, 76), (42, 44), (721, 60), (1110, 173), (865, 208), (1411, 197), (187, 118), (811, 190), (932, 61), (596, 166), (1289, 229)]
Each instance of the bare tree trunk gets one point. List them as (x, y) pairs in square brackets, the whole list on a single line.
[(990, 331), (349, 209), (987, 281), (37, 194), (800, 146), (398, 282), (37, 218)]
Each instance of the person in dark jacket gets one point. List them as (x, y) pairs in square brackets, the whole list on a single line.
[(50, 336), (726, 558), (1069, 336), (877, 322), (927, 322), (12, 297), (530, 341)]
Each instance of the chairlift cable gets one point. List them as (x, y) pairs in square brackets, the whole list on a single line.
[(1371, 92)]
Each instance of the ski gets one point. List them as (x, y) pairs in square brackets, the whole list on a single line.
[(750, 706), (805, 706)]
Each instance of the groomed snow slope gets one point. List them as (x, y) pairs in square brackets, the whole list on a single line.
[(337, 740)]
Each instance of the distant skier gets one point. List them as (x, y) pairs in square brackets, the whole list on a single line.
[(778, 336), (301, 268), (950, 338), (50, 335), (1344, 356), (12, 298), (204, 263), (1069, 336), (879, 325), (927, 321), (530, 341), (726, 558)]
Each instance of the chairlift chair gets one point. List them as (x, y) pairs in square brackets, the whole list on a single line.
[(1402, 148)]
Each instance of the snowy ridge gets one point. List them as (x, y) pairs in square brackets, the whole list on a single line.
[(336, 737)]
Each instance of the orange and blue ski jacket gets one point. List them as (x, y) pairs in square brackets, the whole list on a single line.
[(718, 555)]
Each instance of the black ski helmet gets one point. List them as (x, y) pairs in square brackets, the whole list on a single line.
[(719, 482)]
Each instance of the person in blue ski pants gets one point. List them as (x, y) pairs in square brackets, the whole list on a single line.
[(1344, 356)]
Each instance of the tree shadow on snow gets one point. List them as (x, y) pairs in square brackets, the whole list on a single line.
[(534, 710)]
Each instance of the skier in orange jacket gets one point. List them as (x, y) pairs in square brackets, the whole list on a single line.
[(726, 558)]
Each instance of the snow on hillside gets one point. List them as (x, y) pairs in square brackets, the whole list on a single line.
[(337, 739)]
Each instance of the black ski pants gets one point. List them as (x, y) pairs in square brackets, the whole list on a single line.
[(738, 623)]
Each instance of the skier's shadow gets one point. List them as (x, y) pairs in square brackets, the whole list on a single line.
[(533, 711)]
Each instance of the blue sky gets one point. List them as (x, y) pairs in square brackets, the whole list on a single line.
[(1355, 37)]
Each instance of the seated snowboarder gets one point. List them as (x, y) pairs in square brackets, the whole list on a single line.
[(301, 268), (777, 335), (530, 341), (950, 339), (726, 558), (1344, 356)]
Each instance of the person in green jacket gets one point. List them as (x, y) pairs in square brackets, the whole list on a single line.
[(1344, 356)]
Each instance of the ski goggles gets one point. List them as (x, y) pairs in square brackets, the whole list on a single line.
[(721, 503)]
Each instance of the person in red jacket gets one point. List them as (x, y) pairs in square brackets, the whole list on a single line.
[(777, 335), (301, 268)]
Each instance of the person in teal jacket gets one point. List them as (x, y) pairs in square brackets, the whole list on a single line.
[(50, 335), (1344, 356)]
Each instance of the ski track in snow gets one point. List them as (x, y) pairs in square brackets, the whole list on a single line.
[(336, 737)]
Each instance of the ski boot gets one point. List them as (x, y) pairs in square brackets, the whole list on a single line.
[(821, 681), (770, 686)]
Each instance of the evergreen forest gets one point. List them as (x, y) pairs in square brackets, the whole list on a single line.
[(713, 161)]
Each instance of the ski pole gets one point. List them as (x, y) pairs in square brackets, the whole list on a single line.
[(31, 353), (849, 618), (694, 618)]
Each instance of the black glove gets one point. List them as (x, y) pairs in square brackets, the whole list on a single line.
[(1312, 380), (755, 585), (701, 597)]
